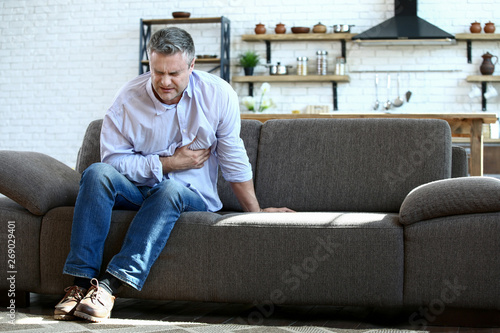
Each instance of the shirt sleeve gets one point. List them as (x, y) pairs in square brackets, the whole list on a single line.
[(231, 152), (116, 150)]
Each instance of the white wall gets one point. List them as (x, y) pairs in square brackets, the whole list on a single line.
[(61, 61)]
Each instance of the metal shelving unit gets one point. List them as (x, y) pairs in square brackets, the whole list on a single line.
[(222, 62)]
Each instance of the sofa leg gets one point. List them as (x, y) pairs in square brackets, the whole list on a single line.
[(13, 300)]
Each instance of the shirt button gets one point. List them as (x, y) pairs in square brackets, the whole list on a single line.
[(184, 131)]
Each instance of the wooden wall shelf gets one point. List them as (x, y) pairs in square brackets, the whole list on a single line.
[(198, 61), (483, 79), (251, 79), (311, 37), (476, 37), (480, 36), (291, 37), (182, 20), (297, 37), (292, 78)]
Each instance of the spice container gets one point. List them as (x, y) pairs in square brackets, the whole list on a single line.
[(340, 66), (301, 65), (322, 62)]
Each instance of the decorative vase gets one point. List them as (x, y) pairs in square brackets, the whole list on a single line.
[(248, 71), (475, 27), (488, 66), (489, 28), (260, 29), (280, 28)]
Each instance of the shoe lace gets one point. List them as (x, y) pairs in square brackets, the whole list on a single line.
[(98, 290), (74, 292)]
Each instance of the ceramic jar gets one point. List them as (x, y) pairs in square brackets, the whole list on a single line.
[(260, 29), (280, 28), (475, 27), (319, 28), (488, 66), (489, 28)]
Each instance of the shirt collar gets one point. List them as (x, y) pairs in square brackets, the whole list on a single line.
[(157, 104)]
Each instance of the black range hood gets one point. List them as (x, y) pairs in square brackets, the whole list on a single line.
[(405, 28)]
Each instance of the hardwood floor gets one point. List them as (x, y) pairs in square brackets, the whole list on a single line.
[(451, 320)]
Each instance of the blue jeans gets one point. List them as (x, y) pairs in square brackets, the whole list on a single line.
[(103, 188)]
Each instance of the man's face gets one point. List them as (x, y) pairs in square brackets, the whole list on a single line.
[(170, 76)]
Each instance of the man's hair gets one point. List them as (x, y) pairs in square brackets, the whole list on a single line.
[(170, 41)]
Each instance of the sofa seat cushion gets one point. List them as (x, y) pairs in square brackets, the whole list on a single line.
[(302, 258), (309, 258), (357, 165)]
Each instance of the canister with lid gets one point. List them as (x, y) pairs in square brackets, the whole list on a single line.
[(340, 66), (322, 62), (302, 65)]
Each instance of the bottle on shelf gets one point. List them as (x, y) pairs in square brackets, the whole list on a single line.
[(340, 66), (302, 65), (322, 62)]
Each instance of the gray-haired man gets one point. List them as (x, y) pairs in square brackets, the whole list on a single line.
[(162, 141)]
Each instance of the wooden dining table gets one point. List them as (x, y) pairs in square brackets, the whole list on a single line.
[(461, 124)]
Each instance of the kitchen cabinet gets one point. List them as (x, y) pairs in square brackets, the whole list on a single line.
[(268, 38), (223, 60)]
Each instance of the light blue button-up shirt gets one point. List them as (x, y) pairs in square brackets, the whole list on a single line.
[(138, 129)]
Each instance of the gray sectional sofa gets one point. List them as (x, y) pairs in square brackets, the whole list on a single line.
[(386, 216)]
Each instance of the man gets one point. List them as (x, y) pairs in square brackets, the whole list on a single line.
[(162, 141)]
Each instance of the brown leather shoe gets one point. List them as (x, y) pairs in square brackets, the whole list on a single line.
[(97, 304), (66, 307)]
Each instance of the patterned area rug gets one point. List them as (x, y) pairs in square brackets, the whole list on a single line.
[(40, 324)]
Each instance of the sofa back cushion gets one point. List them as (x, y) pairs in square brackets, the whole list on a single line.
[(90, 151), (250, 131), (366, 165)]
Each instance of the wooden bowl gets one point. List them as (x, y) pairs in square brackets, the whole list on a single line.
[(300, 30), (181, 14)]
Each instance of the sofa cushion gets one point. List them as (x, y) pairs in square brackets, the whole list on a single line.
[(250, 133), (304, 258), (45, 182), (459, 167), (349, 164), (90, 151), (448, 197)]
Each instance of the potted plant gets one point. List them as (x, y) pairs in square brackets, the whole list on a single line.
[(248, 61)]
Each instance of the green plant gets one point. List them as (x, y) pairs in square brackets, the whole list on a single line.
[(249, 59)]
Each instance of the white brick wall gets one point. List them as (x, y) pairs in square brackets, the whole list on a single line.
[(62, 61)]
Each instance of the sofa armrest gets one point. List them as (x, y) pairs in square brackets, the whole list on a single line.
[(36, 181), (455, 196)]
